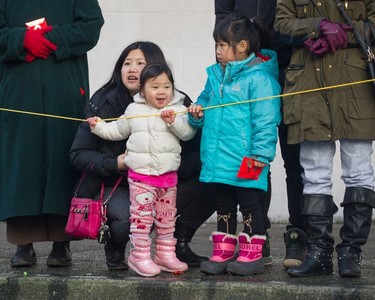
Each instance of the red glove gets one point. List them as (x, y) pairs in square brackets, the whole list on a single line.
[(334, 34), (37, 45), (317, 46)]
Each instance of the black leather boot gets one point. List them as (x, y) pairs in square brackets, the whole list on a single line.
[(318, 211), (60, 255), (115, 256), (24, 257), (184, 234), (349, 262), (358, 205)]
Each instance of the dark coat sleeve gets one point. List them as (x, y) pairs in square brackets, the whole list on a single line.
[(190, 155), (90, 153), (85, 155)]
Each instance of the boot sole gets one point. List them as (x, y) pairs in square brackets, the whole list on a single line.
[(327, 272), (117, 268), (246, 269), (22, 263), (267, 261), (291, 262), (349, 275), (136, 270), (216, 268), (57, 264)]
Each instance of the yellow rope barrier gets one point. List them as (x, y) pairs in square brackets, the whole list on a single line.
[(205, 108)]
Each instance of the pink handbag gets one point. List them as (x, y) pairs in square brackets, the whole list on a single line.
[(88, 216)]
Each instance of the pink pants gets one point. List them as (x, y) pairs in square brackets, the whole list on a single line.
[(151, 204)]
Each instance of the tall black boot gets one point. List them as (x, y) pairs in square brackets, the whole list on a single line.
[(358, 204), (318, 211), (115, 255), (184, 234)]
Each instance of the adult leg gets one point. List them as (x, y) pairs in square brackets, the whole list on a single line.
[(295, 238), (118, 215), (265, 201), (318, 208), (359, 200), (23, 231), (195, 204)]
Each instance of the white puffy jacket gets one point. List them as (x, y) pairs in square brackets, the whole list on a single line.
[(153, 147)]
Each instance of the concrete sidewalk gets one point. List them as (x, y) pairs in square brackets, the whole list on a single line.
[(89, 278)]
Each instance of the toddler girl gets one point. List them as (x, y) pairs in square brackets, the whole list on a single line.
[(153, 157)]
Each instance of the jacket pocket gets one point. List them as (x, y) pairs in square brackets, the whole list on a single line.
[(356, 70), (293, 73), (362, 108), (292, 110)]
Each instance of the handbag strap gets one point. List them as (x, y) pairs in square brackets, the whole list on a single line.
[(79, 184), (105, 202), (113, 190), (365, 47)]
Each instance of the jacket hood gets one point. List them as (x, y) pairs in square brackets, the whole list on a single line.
[(178, 98)]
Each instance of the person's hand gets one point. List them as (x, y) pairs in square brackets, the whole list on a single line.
[(37, 45), (168, 116), (317, 46), (93, 121), (196, 111), (334, 34), (259, 164), (121, 162)]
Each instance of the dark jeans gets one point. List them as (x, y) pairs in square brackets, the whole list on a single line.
[(293, 170), (118, 214), (195, 202), (265, 201)]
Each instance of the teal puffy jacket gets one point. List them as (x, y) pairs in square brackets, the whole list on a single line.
[(231, 132)]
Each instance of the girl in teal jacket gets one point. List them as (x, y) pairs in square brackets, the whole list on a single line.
[(238, 133)]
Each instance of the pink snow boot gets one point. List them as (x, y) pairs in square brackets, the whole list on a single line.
[(140, 260), (165, 256), (249, 261), (224, 246)]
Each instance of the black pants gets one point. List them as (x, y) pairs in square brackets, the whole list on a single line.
[(293, 170), (195, 202), (228, 197), (265, 202)]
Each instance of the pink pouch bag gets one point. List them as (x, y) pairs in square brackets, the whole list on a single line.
[(85, 216), (88, 217)]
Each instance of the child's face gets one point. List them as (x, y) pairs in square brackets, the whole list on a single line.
[(131, 70), (224, 52), (158, 91)]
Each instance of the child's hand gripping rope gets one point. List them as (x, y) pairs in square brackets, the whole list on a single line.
[(168, 116), (196, 111), (93, 121)]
